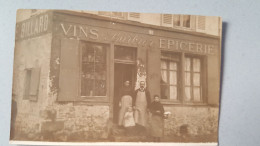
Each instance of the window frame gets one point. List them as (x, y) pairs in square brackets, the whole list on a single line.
[(31, 84), (172, 20), (27, 81), (192, 56), (181, 80), (93, 98), (178, 71)]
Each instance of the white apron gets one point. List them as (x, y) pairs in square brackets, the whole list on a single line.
[(141, 109)]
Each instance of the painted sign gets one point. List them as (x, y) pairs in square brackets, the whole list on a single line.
[(187, 46), (134, 39), (33, 27), (94, 33)]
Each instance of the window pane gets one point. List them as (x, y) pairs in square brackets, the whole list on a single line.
[(87, 86), (196, 79), (196, 65), (173, 77), (187, 93), (186, 20), (176, 20), (173, 92), (187, 64), (187, 78), (125, 53), (196, 92), (164, 92), (169, 79), (163, 64), (100, 88), (93, 70), (164, 76), (173, 65)]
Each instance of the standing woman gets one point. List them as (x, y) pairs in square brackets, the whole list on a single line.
[(157, 111)]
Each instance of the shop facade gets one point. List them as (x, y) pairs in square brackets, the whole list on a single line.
[(69, 68)]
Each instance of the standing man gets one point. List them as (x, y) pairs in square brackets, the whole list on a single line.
[(141, 103)]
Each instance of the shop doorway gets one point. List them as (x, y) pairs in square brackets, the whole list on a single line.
[(122, 73)]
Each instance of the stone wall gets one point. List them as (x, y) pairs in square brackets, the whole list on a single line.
[(191, 121), (30, 53), (80, 122)]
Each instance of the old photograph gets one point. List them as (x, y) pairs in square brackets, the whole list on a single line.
[(99, 76)]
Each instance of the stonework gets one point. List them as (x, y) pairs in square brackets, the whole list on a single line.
[(31, 53), (191, 121)]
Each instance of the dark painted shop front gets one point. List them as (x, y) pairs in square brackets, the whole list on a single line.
[(89, 57)]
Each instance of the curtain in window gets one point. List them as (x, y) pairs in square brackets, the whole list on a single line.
[(164, 71), (169, 79), (196, 79), (192, 79)]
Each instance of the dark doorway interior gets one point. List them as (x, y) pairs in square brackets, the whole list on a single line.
[(122, 73)]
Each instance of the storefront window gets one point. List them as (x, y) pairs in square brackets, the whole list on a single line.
[(192, 79), (169, 76), (93, 69)]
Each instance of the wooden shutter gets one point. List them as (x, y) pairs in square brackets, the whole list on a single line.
[(201, 23), (167, 20), (27, 82), (69, 70), (34, 83), (119, 15), (134, 16)]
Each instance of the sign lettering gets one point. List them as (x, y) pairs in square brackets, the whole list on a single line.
[(187, 46), (86, 32), (34, 26), (79, 31)]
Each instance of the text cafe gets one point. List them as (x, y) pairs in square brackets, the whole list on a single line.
[(81, 62)]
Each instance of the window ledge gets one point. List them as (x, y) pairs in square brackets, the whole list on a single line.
[(176, 103)]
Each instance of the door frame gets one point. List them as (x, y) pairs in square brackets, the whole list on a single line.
[(133, 77)]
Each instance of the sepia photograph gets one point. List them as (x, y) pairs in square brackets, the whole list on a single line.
[(100, 76)]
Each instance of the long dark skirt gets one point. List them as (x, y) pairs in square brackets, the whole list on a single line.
[(156, 126)]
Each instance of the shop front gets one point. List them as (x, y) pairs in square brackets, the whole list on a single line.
[(90, 58)]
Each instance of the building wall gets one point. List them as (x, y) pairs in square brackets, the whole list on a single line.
[(80, 121), (50, 119), (191, 121), (31, 53)]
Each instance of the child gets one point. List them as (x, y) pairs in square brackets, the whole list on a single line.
[(129, 122), (129, 118), (157, 111)]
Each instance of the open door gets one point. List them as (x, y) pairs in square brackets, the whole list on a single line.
[(123, 72)]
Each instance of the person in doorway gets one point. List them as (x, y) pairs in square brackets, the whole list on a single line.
[(124, 102), (157, 119), (141, 103)]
